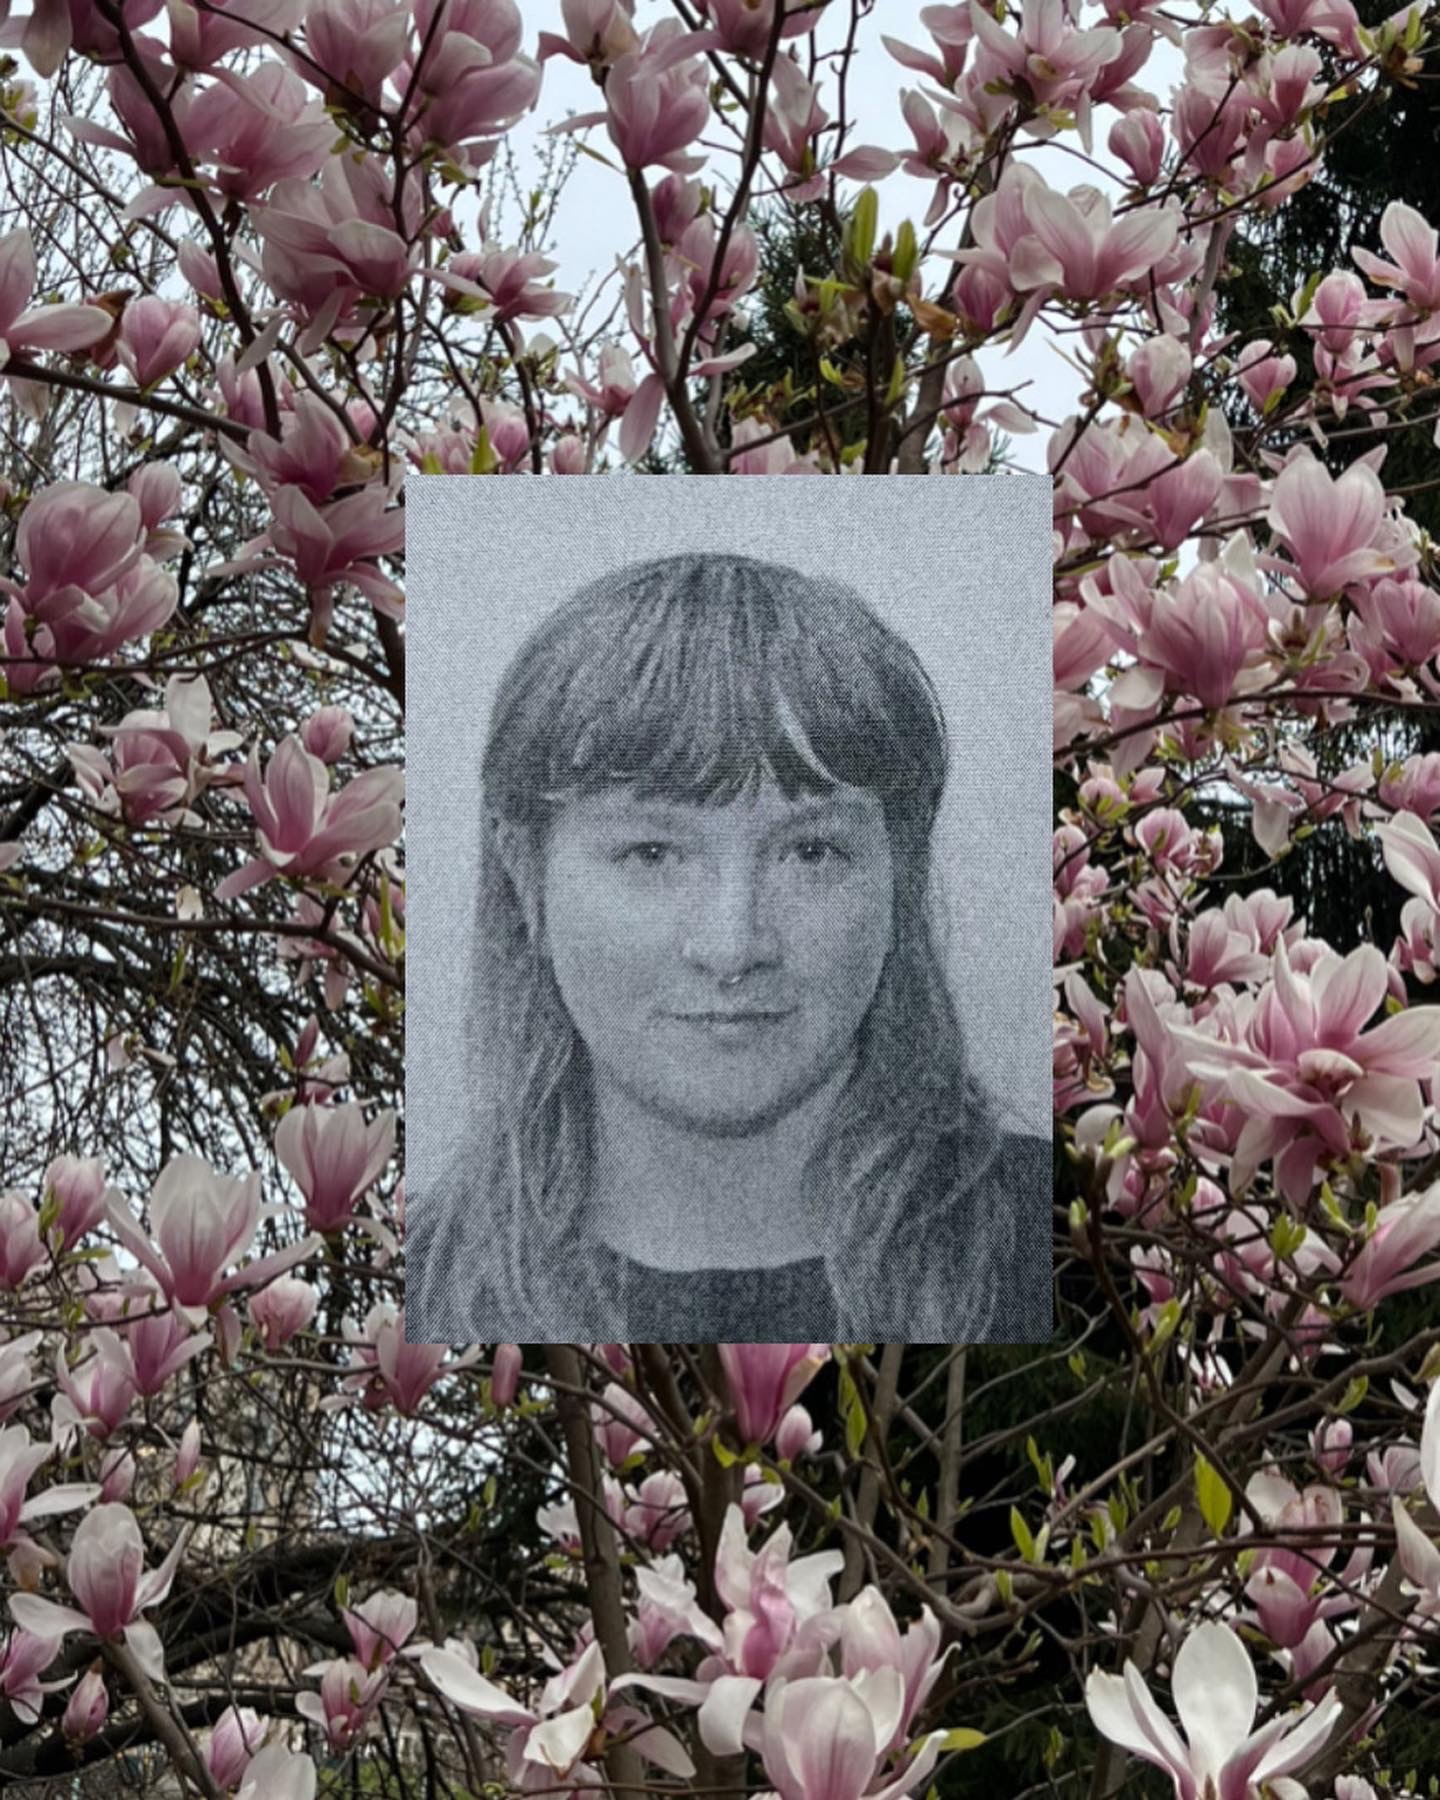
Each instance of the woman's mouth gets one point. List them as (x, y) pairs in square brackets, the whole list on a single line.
[(734, 1026)]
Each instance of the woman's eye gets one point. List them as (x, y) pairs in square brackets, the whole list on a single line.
[(648, 855), (815, 853)]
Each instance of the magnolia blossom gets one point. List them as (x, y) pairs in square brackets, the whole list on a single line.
[(1221, 1756), (826, 1738), (234, 1739), (107, 1575), (282, 1309), (1329, 524), (201, 1223), (764, 1379), (303, 828), (381, 1626), (156, 337), (22, 1657), (777, 1610), (1414, 267), (23, 327), (386, 1370), (334, 1154), (349, 1694), (19, 1459)]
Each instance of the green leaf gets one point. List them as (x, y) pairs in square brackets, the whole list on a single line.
[(1354, 1394), (1020, 1531), (1215, 1498), (964, 1737), (858, 244)]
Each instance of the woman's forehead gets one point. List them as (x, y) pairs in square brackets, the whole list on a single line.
[(762, 806)]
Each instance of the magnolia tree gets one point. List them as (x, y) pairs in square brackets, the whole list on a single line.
[(255, 268)]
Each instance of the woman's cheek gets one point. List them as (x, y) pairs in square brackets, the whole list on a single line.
[(605, 940)]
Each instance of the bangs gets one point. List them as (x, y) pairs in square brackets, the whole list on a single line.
[(694, 678)]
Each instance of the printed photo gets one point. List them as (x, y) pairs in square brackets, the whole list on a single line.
[(688, 1048)]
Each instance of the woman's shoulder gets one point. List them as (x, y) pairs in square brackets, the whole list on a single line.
[(454, 1291), (995, 1224)]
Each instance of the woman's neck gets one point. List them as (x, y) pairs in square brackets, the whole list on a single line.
[(680, 1199)]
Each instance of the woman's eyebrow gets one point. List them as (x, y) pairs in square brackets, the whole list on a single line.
[(676, 815)]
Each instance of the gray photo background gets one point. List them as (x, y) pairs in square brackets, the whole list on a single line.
[(961, 568)]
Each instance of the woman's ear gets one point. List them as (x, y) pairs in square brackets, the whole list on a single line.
[(519, 860)]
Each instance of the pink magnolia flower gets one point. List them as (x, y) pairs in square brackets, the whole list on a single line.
[(621, 1423), (75, 1186), (1389, 1261), (1086, 254), (24, 1655), (778, 1611), (278, 1773), (256, 129), (797, 1435), (1302, 1066), (334, 1155), (19, 1459), (159, 1343), (1329, 524), (201, 35), (327, 733), (656, 1512), (282, 1309), (1414, 267), (743, 28), (303, 828), (1138, 139), (1430, 1446), (41, 327), (314, 453), (1054, 60), (381, 1626), (338, 543), (98, 1393), (657, 99), (358, 44), (21, 1251), (107, 1575), (1158, 372), (234, 1739), (596, 32), (1263, 375), (667, 1610), (1220, 1757), (74, 535), (504, 284), (1411, 856), (1330, 1444), (87, 1709), (1201, 633), (825, 1738), (201, 1223), (337, 239), (871, 1640), (388, 1371), (550, 1742), (349, 1694), (764, 1379), (155, 337)]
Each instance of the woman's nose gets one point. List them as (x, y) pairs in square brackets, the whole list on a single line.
[(729, 930)]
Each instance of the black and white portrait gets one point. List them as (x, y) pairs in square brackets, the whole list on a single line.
[(729, 943)]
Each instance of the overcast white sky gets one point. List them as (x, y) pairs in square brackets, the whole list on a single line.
[(594, 221)]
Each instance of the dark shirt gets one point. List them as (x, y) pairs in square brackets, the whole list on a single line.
[(448, 1299), (715, 1306)]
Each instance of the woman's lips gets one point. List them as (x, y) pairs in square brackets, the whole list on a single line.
[(733, 1026)]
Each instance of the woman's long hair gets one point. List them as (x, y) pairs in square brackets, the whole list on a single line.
[(687, 678)]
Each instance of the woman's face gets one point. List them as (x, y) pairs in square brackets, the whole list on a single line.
[(718, 961)]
